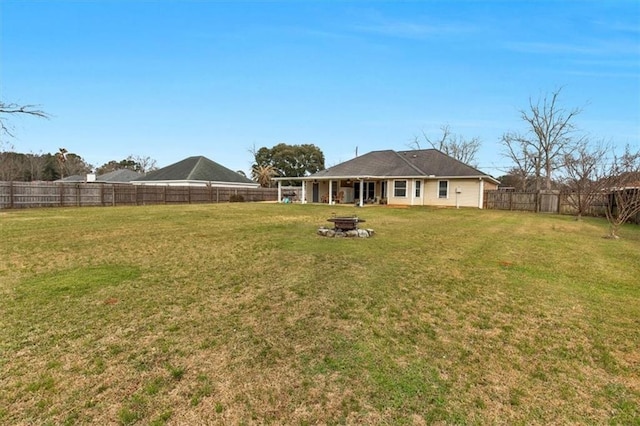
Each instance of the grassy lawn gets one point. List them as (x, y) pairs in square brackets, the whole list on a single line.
[(240, 314)]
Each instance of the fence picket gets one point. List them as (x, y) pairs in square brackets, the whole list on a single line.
[(55, 194), (542, 202)]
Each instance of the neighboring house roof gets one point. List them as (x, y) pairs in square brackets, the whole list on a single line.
[(73, 178), (197, 168), (388, 163), (119, 176)]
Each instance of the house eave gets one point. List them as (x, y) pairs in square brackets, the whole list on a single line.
[(366, 177), (187, 182)]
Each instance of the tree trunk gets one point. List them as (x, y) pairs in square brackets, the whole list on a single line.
[(613, 230)]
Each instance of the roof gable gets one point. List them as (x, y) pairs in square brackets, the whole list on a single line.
[(195, 168)]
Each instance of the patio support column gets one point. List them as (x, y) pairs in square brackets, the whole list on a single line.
[(330, 192), (361, 192), (304, 192), (481, 195), (279, 191), (412, 184)]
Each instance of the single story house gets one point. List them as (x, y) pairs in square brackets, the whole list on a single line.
[(426, 177), (196, 171)]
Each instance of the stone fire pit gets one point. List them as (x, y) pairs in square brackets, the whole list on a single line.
[(345, 226)]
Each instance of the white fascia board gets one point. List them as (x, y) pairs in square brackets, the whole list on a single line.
[(481, 177), (215, 184), (352, 177), (365, 177)]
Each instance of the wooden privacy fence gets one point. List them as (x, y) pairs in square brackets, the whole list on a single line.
[(541, 202), (56, 194)]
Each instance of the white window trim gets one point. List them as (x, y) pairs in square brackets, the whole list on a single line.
[(417, 188), (406, 188), (438, 190)]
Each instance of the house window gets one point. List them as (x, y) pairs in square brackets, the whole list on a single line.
[(368, 193), (443, 189), (400, 188), (369, 190), (418, 188)]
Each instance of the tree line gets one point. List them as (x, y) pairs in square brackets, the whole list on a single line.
[(15, 166)]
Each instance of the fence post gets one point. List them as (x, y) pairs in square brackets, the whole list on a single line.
[(217, 195), (11, 194), (559, 196)]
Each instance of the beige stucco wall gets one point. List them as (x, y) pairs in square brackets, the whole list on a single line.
[(469, 195), (410, 198)]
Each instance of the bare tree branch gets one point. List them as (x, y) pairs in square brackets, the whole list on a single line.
[(453, 145), (585, 170), (15, 109), (623, 188), (551, 136)]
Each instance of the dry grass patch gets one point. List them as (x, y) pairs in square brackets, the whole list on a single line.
[(239, 313)]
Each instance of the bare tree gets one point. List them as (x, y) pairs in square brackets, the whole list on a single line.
[(623, 189), (453, 145), (11, 166), (517, 180), (75, 165), (145, 164), (551, 134), (35, 164), (526, 160), (584, 170), (15, 109)]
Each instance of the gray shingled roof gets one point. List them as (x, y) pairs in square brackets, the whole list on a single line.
[(120, 175), (376, 163), (435, 162), (195, 168), (388, 163)]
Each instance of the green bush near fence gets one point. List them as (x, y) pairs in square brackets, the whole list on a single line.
[(241, 314)]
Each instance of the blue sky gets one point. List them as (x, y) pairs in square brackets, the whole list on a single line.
[(170, 79)]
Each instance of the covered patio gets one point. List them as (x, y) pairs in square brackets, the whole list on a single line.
[(358, 190)]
